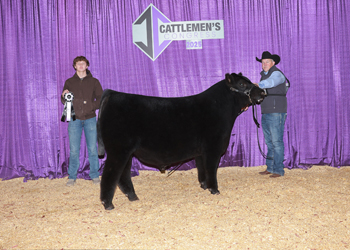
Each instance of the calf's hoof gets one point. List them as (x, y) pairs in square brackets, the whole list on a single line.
[(214, 191), (132, 197), (204, 185), (107, 206)]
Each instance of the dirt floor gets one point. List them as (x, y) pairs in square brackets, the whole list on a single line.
[(305, 209)]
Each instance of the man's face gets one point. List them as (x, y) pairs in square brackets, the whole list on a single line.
[(81, 66), (267, 64)]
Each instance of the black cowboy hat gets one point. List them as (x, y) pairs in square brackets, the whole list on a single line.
[(267, 55)]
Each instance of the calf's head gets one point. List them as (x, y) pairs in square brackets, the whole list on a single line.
[(241, 84)]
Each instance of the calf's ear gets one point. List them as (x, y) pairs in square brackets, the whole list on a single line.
[(228, 78), (234, 77)]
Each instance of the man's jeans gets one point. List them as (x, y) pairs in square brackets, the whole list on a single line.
[(75, 130), (273, 128)]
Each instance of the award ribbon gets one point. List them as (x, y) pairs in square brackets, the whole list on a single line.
[(68, 110)]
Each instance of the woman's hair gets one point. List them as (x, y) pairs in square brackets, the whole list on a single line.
[(80, 58)]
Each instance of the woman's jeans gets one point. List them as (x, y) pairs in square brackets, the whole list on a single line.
[(75, 129), (273, 128)]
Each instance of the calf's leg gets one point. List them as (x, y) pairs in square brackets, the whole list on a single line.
[(114, 167), (211, 166), (201, 172), (125, 183)]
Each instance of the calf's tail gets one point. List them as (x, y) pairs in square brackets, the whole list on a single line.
[(101, 146)]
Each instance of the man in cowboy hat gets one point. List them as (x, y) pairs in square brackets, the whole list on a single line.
[(274, 112)]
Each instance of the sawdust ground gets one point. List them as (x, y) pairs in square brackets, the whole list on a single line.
[(305, 209)]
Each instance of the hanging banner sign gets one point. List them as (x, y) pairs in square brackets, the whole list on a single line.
[(153, 31)]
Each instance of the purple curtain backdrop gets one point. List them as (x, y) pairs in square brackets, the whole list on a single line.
[(40, 39)]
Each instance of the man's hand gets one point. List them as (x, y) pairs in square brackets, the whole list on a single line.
[(65, 92), (256, 84)]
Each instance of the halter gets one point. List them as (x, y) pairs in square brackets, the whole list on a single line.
[(246, 92)]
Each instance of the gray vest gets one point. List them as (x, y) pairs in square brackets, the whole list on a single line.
[(276, 99)]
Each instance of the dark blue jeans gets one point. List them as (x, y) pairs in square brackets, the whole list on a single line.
[(75, 129), (273, 128)]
